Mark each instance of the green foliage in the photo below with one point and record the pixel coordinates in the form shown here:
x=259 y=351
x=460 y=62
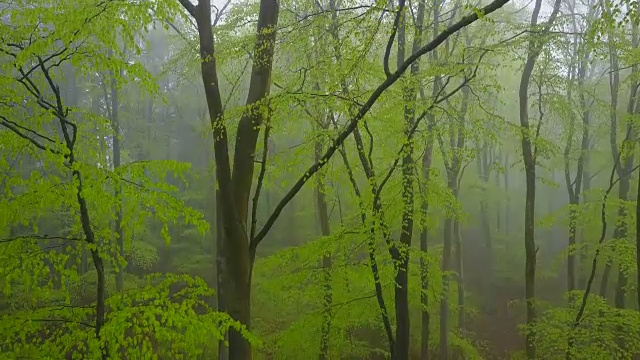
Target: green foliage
x=604 y=331
x=162 y=316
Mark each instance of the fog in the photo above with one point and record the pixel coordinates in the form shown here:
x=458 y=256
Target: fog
x=319 y=179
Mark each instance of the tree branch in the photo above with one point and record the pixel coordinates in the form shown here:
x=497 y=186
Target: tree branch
x=39 y=237
x=16 y=129
x=263 y=169
x=387 y=51
x=353 y=123
x=188 y=5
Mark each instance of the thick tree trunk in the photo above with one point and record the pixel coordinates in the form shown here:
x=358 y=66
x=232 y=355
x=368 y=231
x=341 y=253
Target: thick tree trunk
x=235 y=187
x=221 y=274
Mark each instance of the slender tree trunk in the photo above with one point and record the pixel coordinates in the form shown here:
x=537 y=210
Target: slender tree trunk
x=497 y=155
x=325 y=230
x=460 y=274
x=571 y=257
x=614 y=88
x=484 y=172
x=371 y=243
x=583 y=161
x=507 y=202
x=638 y=243
x=620 y=234
x=535 y=48
x=624 y=186
x=427 y=159
x=424 y=236
x=115 y=125
x=369 y=173
x=443 y=353
x=452 y=232
x=571 y=190
x=402 y=278
x=624 y=164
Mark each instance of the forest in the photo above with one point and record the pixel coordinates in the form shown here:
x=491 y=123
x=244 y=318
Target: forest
x=319 y=179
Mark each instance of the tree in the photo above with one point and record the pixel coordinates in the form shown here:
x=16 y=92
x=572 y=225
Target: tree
x=235 y=188
x=528 y=154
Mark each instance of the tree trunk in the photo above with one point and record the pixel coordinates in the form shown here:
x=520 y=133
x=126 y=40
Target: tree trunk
x=460 y=274
x=614 y=88
x=624 y=164
x=494 y=159
x=424 y=248
x=620 y=234
x=235 y=188
x=451 y=230
x=427 y=159
x=571 y=257
x=402 y=278
x=534 y=50
x=115 y=125
x=484 y=172
x=507 y=202
x=633 y=108
x=443 y=353
x=221 y=274
x=371 y=244
x=638 y=243
x=325 y=230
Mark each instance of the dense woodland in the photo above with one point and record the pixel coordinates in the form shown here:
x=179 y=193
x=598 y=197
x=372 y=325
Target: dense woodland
x=326 y=179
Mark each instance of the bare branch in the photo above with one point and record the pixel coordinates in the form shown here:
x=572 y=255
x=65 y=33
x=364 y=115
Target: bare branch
x=220 y=13
x=16 y=129
x=39 y=237
x=188 y=5
x=263 y=169
x=387 y=51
